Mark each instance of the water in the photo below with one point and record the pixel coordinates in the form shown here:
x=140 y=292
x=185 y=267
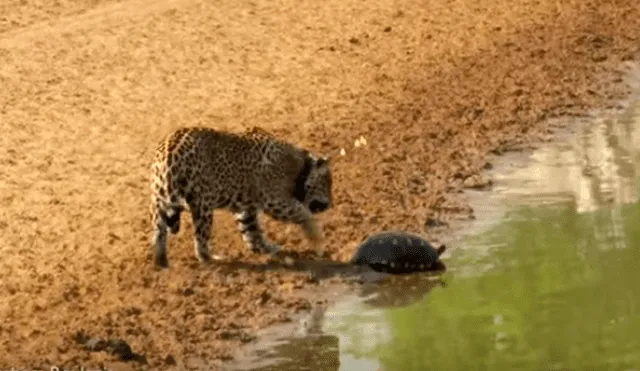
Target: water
x=548 y=278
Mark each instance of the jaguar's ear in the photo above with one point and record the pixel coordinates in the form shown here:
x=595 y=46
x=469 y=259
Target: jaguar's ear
x=323 y=161
x=441 y=249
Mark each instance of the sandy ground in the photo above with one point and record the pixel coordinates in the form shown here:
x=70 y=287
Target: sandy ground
x=88 y=87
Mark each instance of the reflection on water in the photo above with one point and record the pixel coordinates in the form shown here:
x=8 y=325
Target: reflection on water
x=314 y=352
x=596 y=167
x=398 y=292
x=551 y=284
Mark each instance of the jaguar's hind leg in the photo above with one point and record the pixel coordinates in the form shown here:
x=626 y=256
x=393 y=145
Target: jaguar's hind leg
x=172 y=218
x=203 y=224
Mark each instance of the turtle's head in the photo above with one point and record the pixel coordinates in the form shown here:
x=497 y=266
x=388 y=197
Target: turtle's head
x=438 y=265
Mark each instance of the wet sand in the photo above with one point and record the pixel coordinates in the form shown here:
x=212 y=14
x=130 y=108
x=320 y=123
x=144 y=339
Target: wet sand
x=88 y=87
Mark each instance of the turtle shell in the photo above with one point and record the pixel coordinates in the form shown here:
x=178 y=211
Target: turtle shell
x=398 y=252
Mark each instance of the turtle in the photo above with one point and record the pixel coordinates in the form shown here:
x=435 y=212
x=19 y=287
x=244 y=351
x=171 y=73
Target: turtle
x=398 y=252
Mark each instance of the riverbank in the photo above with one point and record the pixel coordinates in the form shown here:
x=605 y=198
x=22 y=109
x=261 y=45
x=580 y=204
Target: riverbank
x=432 y=87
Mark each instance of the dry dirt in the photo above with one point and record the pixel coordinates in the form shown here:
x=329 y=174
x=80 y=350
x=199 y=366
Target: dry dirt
x=88 y=86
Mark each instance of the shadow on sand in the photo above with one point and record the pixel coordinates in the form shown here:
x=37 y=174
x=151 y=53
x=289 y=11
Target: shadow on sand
x=318 y=268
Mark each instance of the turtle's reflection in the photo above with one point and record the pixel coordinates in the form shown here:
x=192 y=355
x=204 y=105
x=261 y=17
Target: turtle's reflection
x=399 y=291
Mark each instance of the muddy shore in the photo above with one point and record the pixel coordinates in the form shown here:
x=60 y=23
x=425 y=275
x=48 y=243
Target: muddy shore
x=88 y=87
